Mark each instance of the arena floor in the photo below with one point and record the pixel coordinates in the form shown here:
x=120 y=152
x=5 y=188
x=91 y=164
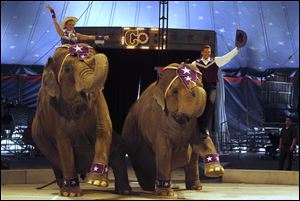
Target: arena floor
x=210 y=191
x=213 y=189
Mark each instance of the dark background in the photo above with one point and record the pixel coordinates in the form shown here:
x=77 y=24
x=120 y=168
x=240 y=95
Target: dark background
x=126 y=68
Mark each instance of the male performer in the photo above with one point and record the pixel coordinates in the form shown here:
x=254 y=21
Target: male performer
x=209 y=67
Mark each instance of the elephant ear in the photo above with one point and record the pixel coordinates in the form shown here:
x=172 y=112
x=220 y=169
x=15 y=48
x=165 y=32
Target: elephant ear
x=49 y=82
x=161 y=84
x=158 y=95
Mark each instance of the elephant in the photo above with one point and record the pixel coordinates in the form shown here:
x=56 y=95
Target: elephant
x=161 y=132
x=72 y=126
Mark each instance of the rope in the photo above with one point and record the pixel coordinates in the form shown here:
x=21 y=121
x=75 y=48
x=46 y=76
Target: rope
x=6 y=27
x=211 y=11
x=99 y=12
x=112 y=13
x=137 y=13
x=262 y=21
x=61 y=67
x=32 y=30
x=187 y=14
x=287 y=20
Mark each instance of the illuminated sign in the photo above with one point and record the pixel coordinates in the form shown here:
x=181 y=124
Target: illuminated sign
x=139 y=38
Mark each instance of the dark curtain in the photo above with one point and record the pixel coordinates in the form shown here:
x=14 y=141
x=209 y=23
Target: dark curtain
x=126 y=69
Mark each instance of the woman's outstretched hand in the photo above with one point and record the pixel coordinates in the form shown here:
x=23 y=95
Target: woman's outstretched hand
x=51 y=11
x=49 y=7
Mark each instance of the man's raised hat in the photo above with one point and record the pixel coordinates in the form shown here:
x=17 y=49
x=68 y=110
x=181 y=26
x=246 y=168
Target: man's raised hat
x=240 y=38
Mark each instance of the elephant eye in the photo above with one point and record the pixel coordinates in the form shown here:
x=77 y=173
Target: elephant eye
x=175 y=91
x=67 y=69
x=193 y=93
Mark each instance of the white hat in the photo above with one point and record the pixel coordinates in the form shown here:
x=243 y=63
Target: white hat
x=63 y=23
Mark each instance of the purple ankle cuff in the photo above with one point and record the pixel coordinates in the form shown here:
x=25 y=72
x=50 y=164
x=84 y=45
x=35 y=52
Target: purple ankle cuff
x=99 y=37
x=163 y=183
x=211 y=158
x=99 y=168
x=71 y=182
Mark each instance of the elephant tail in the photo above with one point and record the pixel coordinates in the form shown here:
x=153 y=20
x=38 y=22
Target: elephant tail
x=41 y=187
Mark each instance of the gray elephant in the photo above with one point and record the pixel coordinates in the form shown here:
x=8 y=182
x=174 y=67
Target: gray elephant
x=161 y=132
x=72 y=125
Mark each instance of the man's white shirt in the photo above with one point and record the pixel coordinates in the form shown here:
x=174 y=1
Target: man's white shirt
x=220 y=61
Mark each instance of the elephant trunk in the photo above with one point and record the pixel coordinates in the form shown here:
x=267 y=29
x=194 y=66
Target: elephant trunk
x=193 y=103
x=92 y=78
x=201 y=97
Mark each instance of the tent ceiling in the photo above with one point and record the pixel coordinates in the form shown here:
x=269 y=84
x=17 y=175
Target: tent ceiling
x=28 y=34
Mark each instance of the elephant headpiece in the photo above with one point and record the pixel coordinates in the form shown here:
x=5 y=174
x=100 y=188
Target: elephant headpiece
x=75 y=70
x=180 y=80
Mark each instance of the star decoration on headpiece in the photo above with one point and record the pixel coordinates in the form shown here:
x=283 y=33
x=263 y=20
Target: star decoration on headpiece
x=187 y=75
x=186 y=70
x=81 y=51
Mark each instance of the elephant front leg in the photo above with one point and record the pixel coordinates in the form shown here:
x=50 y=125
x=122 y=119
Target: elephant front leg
x=192 y=179
x=163 y=152
x=69 y=186
x=212 y=166
x=99 y=170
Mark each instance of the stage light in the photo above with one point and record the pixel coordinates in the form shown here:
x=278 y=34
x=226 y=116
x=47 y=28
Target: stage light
x=130 y=47
x=140 y=28
x=144 y=47
x=122 y=40
x=126 y=28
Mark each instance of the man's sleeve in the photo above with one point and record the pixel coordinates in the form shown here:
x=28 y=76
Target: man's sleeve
x=296 y=132
x=221 y=61
x=194 y=63
x=280 y=133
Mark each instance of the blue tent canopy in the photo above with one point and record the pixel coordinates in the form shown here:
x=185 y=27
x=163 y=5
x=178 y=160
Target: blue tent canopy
x=28 y=36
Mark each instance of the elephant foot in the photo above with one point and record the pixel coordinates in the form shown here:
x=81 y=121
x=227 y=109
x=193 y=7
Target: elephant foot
x=60 y=182
x=193 y=185
x=70 y=188
x=212 y=167
x=163 y=188
x=214 y=170
x=98 y=175
x=166 y=192
x=123 y=190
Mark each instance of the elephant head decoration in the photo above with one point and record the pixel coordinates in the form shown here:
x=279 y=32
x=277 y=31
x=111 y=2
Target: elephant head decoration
x=72 y=125
x=161 y=132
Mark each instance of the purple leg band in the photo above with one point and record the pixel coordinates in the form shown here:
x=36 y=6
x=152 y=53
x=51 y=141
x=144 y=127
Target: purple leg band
x=99 y=168
x=211 y=158
x=71 y=182
x=163 y=183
